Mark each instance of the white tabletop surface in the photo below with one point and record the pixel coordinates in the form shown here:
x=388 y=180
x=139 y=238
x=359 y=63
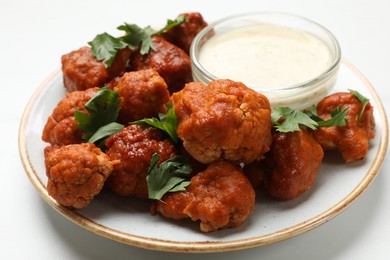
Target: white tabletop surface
x=34 y=35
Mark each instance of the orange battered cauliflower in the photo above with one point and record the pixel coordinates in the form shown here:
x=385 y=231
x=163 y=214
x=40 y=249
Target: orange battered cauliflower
x=133 y=148
x=143 y=94
x=61 y=126
x=290 y=167
x=223 y=120
x=76 y=173
x=220 y=197
x=82 y=70
x=171 y=62
x=351 y=140
x=183 y=34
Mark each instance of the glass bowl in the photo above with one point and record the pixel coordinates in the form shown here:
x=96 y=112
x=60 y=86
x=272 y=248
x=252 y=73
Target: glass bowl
x=228 y=49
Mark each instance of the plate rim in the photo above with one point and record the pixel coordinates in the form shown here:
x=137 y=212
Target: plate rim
x=206 y=246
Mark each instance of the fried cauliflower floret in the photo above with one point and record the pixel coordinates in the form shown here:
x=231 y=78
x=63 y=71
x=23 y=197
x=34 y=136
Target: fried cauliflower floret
x=219 y=197
x=81 y=70
x=223 y=120
x=171 y=62
x=183 y=34
x=76 y=173
x=61 y=126
x=351 y=140
x=133 y=148
x=143 y=94
x=291 y=166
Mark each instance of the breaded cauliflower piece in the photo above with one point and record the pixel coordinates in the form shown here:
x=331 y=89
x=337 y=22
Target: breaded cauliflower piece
x=219 y=197
x=183 y=34
x=290 y=167
x=143 y=94
x=133 y=148
x=171 y=62
x=223 y=120
x=351 y=140
x=76 y=173
x=61 y=126
x=82 y=71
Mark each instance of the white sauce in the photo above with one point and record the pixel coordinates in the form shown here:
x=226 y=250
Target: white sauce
x=265 y=56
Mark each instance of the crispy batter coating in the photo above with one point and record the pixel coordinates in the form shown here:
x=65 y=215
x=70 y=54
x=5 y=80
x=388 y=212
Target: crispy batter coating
x=76 y=173
x=134 y=147
x=171 y=62
x=143 y=94
x=82 y=71
x=220 y=197
x=290 y=168
x=183 y=34
x=61 y=127
x=351 y=140
x=224 y=120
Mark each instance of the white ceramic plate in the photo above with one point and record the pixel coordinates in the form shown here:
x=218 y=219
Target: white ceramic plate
x=128 y=221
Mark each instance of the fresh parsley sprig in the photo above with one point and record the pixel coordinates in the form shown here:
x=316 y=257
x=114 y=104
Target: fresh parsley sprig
x=338 y=117
x=170 y=176
x=166 y=122
x=100 y=122
x=105 y=46
x=286 y=119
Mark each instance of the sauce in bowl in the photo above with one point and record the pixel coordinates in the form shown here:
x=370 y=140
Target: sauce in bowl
x=291 y=60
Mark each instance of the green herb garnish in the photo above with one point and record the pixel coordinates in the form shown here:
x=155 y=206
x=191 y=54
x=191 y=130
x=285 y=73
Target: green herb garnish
x=286 y=119
x=100 y=122
x=137 y=37
x=362 y=99
x=166 y=122
x=170 y=176
x=106 y=131
x=338 y=117
x=292 y=120
x=105 y=47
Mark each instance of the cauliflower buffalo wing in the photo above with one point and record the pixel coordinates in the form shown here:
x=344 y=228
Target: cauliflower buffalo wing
x=82 y=70
x=224 y=120
x=183 y=34
x=171 y=62
x=143 y=94
x=76 y=173
x=220 y=197
x=133 y=148
x=61 y=126
x=351 y=140
x=290 y=168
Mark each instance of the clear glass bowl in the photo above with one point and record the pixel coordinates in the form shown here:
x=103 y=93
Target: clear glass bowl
x=298 y=95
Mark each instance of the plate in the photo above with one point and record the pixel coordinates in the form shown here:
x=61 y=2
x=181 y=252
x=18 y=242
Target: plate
x=128 y=221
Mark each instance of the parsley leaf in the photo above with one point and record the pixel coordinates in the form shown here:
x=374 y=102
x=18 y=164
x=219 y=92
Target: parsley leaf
x=291 y=119
x=362 y=99
x=166 y=122
x=106 y=131
x=337 y=117
x=136 y=37
x=171 y=23
x=103 y=111
x=286 y=119
x=105 y=47
x=169 y=176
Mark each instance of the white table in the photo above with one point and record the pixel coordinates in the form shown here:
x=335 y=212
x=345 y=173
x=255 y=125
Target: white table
x=34 y=35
